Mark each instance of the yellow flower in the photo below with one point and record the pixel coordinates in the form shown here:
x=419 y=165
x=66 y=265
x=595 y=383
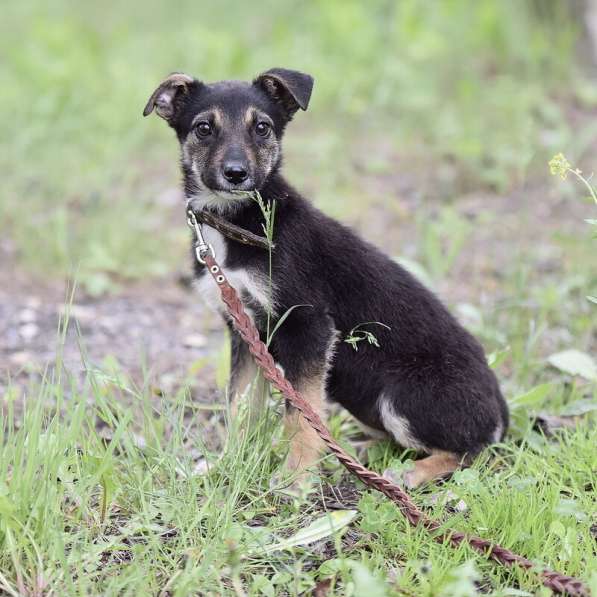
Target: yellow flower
x=559 y=165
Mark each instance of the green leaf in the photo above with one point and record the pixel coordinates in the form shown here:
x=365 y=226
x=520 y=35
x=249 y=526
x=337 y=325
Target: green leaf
x=461 y=581
x=319 y=529
x=282 y=577
x=377 y=516
x=497 y=357
x=262 y=586
x=109 y=486
x=283 y=319
x=579 y=407
x=331 y=567
x=574 y=362
x=365 y=583
x=469 y=478
x=533 y=397
x=593 y=299
x=357 y=334
x=570 y=507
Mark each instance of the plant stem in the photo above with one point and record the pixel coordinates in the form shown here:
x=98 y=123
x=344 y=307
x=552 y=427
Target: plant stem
x=586 y=183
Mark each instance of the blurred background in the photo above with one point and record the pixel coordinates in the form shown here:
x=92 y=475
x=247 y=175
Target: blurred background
x=430 y=129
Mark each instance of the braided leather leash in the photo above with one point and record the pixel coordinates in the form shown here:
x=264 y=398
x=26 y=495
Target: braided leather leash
x=248 y=332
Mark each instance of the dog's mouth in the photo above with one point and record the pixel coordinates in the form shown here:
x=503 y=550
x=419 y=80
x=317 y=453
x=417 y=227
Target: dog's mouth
x=232 y=194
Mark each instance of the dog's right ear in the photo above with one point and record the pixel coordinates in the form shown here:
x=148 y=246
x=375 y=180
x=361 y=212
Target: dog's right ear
x=169 y=96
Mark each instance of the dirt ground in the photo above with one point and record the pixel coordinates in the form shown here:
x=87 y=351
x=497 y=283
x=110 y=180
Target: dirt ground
x=159 y=325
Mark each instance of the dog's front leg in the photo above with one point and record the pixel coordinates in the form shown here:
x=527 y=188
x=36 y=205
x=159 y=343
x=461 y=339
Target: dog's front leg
x=305 y=446
x=245 y=380
x=304 y=348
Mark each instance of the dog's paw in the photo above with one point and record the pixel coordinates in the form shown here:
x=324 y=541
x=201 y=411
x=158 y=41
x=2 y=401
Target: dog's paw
x=407 y=479
x=413 y=478
x=430 y=469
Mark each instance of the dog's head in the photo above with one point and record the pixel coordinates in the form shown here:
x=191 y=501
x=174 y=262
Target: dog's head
x=230 y=132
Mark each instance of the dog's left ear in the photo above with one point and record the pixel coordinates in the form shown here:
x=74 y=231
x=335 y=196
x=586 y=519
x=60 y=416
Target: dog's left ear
x=168 y=96
x=290 y=88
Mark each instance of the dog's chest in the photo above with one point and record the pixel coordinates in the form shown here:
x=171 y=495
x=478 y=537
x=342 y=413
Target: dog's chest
x=248 y=282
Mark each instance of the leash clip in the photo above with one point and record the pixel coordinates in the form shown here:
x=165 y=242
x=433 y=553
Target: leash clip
x=202 y=248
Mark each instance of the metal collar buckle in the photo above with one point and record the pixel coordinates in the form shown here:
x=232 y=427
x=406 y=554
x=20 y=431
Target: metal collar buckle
x=202 y=248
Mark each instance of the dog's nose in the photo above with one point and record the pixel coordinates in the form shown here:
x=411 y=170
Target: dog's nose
x=235 y=172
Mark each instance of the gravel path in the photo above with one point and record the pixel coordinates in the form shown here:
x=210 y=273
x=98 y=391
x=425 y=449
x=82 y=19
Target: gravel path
x=157 y=330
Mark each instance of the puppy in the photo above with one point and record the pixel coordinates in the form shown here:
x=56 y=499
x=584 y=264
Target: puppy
x=426 y=383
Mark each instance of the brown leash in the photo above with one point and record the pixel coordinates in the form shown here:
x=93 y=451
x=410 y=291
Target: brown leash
x=557 y=582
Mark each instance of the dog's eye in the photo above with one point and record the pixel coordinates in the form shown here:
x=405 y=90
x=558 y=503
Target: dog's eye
x=203 y=129
x=262 y=129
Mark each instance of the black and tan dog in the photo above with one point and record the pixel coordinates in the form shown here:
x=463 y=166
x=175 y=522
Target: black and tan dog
x=427 y=385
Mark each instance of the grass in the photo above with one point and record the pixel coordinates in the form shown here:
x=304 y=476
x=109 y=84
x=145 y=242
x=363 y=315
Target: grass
x=88 y=507
x=106 y=488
